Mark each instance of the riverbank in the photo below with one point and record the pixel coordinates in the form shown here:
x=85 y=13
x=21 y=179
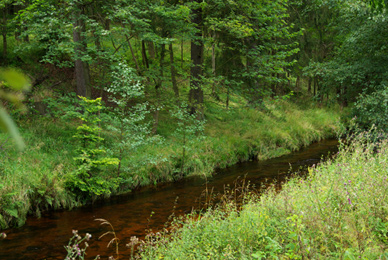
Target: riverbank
x=35 y=180
x=338 y=212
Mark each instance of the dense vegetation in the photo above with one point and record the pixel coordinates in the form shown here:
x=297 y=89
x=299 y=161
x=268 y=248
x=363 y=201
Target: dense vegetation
x=130 y=93
x=337 y=212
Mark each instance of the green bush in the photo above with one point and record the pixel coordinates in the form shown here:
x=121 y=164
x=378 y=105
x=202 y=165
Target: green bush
x=88 y=180
x=372 y=109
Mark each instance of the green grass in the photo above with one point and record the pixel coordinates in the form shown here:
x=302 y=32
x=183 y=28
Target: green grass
x=339 y=211
x=34 y=180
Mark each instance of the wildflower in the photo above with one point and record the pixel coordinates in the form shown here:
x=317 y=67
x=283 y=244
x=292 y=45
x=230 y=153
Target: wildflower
x=3 y=235
x=350 y=202
x=88 y=236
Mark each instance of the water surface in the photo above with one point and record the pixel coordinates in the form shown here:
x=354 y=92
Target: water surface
x=130 y=215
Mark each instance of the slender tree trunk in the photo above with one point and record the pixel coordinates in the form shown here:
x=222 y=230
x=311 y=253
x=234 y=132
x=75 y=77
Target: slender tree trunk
x=338 y=92
x=159 y=83
x=4 y=33
x=151 y=50
x=81 y=68
x=214 y=68
x=182 y=45
x=309 y=85
x=133 y=54
x=227 y=97
x=315 y=86
x=144 y=54
x=297 y=83
x=183 y=153
x=26 y=37
x=156 y=113
x=344 y=96
x=173 y=72
x=121 y=150
x=161 y=63
x=319 y=96
x=196 y=72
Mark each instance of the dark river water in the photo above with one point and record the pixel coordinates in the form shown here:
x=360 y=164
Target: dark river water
x=130 y=215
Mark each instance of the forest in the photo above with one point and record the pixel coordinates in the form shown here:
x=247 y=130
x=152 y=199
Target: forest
x=99 y=98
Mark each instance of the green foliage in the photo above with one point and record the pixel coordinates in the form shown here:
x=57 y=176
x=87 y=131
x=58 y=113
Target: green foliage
x=338 y=211
x=127 y=114
x=87 y=181
x=12 y=213
x=254 y=43
x=372 y=109
x=189 y=130
x=63 y=107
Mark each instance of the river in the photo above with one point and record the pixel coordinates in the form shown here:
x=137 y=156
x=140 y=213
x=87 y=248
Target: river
x=130 y=215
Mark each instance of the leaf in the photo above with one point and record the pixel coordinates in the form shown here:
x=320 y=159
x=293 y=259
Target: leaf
x=7 y=125
x=15 y=79
x=12 y=212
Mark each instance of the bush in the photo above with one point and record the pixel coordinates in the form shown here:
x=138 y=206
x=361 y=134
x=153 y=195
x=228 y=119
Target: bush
x=372 y=109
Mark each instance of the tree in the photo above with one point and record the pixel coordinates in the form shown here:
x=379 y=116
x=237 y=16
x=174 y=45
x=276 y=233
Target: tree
x=127 y=115
x=196 y=54
x=81 y=66
x=255 y=43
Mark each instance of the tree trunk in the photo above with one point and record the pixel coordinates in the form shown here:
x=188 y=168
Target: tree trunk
x=182 y=45
x=196 y=72
x=4 y=33
x=297 y=83
x=159 y=83
x=151 y=50
x=81 y=68
x=315 y=86
x=344 y=97
x=227 y=97
x=214 y=94
x=156 y=113
x=133 y=54
x=173 y=72
x=144 y=54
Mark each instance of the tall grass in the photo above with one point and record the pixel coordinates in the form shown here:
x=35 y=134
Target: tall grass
x=34 y=180
x=339 y=211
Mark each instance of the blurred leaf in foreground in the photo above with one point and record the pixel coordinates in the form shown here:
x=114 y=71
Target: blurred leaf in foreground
x=16 y=81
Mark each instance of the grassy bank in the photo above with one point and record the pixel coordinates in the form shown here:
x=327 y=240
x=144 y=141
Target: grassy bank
x=338 y=212
x=35 y=179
